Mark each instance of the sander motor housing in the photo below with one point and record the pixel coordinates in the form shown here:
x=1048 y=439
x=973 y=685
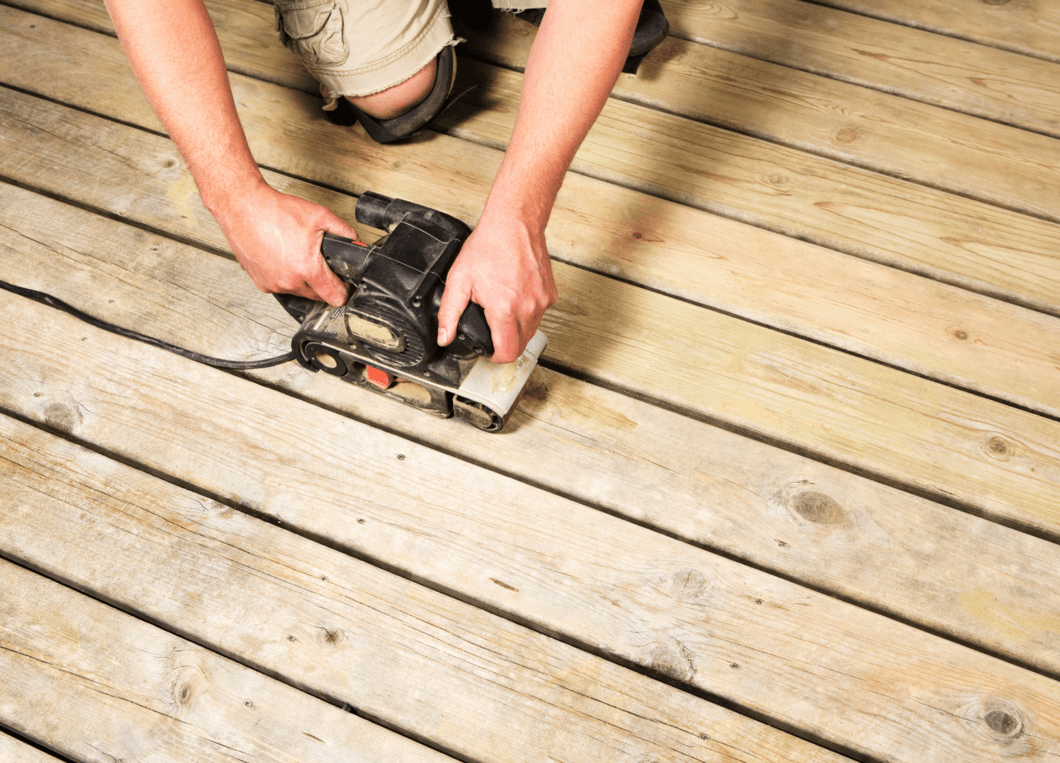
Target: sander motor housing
x=385 y=337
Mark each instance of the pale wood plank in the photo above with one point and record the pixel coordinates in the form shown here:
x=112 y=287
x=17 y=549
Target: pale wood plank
x=1031 y=27
x=14 y=751
x=927 y=67
x=935 y=330
x=930 y=232
x=844 y=409
x=782 y=512
x=245 y=26
x=96 y=684
x=917 y=64
x=713 y=168
x=431 y=665
x=931 y=145
x=698 y=618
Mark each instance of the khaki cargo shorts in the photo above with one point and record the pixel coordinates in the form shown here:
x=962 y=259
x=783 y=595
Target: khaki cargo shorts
x=360 y=47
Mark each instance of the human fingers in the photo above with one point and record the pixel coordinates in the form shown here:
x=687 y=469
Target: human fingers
x=455 y=299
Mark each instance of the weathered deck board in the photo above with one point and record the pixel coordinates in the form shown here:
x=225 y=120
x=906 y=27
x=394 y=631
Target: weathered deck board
x=762 y=585
x=343 y=629
x=1031 y=27
x=829 y=521
x=700 y=619
x=969 y=78
x=974 y=79
x=949 y=238
x=885 y=133
x=88 y=679
x=14 y=751
x=1002 y=461
x=936 y=330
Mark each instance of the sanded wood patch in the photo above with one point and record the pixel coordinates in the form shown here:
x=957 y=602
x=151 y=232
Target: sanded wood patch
x=1032 y=28
x=891 y=57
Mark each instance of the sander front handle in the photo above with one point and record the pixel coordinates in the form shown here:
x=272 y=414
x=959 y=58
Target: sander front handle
x=384 y=212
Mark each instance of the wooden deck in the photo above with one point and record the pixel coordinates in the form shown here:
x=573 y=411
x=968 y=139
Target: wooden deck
x=786 y=486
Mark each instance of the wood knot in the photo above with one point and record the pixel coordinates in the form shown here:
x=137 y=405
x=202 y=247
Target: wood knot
x=998 y=448
x=848 y=135
x=331 y=638
x=995 y=2
x=535 y=395
x=998 y=718
x=63 y=417
x=182 y=695
x=672 y=660
x=818 y=508
x=1002 y=723
x=960 y=334
x=688 y=584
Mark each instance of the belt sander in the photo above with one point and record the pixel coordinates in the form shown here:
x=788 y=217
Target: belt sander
x=385 y=337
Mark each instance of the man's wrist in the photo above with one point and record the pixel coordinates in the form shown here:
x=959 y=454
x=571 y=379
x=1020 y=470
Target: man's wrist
x=226 y=195
x=521 y=196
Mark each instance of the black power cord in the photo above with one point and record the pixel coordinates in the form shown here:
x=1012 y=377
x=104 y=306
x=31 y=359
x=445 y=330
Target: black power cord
x=238 y=365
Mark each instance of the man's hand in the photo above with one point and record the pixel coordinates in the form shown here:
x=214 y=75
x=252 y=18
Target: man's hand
x=504 y=267
x=277 y=238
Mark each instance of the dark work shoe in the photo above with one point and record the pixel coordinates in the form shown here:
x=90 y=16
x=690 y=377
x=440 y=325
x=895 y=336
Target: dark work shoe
x=652 y=28
x=340 y=111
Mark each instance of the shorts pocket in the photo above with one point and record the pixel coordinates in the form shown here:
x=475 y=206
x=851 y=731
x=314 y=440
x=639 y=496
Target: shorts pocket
x=313 y=30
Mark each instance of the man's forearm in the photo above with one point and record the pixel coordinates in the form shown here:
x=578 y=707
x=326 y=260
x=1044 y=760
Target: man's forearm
x=173 y=49
x=575 y=60
x=174 y=52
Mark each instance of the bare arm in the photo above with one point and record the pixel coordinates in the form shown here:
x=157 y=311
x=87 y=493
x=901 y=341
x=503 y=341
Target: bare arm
x=504 y=266
x=173 y=49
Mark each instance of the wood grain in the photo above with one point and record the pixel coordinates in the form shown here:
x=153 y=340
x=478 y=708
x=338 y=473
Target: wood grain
x=94 y=683
x=677 y=611
x=1031 y=27
x=692 y=616
x=938 y=146
x=842 y=408
x=906 y=321
x=439 y=669
x=929 y=232
x=956 y=74
x=15 y=751
x=805 y=521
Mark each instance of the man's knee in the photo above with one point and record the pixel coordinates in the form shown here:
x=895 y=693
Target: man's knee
x=401 y=98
